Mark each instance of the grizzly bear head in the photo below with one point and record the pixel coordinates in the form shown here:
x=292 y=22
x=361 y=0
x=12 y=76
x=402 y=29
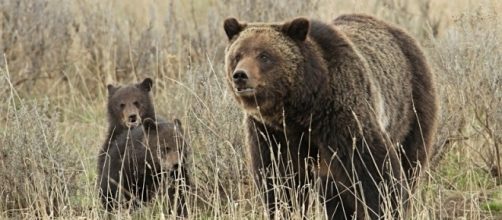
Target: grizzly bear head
x=265 y=65
x=129 y=106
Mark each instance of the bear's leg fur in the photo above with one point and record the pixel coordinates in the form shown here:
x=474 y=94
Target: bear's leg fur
x=108 y=180
x=177 y=193
x=417 y=143
x=414 y=152
x=277 y=161
x=354 y=186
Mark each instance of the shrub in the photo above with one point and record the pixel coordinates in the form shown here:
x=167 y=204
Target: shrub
x=37 y=170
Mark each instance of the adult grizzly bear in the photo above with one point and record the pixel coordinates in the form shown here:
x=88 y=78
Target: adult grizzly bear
x=141 y=153
x=352 y=103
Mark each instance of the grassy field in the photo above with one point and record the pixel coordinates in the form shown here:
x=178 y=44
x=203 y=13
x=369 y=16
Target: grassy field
x=57 y=57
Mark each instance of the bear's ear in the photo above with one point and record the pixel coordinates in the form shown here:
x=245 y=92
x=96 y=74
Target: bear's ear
x=146 y=85
x=111 y=89
x=297 y=28
x=232 y=27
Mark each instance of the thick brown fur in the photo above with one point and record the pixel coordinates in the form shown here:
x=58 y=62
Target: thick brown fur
x=352 y=103
x=142 y=158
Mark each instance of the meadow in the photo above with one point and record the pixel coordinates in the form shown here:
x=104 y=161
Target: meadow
x=58 y=56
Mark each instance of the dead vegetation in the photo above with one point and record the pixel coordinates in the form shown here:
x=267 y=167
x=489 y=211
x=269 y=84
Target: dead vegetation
x=57 y=57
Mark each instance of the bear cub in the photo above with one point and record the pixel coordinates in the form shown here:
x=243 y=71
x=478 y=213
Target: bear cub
x=143 y=154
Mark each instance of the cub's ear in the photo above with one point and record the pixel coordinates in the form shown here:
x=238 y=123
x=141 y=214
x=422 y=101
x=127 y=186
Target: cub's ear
x=111 y=89
x=232 y=27
x=297 y=28
x=178 y=128
x=177 y=124
x=146 y=85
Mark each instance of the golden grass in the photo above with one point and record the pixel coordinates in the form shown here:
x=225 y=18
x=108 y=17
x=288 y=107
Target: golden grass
x=59 y=55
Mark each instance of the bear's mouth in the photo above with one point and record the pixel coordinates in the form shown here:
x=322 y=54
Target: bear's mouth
x=245 y=91
x=132 y=124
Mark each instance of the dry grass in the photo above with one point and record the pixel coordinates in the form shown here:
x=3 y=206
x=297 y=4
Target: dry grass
x=58 y=56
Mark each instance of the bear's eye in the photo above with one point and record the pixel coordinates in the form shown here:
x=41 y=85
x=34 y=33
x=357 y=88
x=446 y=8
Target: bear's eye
x=122 y=105
x=136 y=103
x=237 y=57
x=264 y=57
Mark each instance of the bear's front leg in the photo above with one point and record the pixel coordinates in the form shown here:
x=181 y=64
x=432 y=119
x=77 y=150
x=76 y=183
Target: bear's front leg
x=108 y=180
x=279 y=165
x=260 y=142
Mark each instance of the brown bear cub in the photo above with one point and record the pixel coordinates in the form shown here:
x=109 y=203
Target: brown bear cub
x=351 y=103
x=143 y=154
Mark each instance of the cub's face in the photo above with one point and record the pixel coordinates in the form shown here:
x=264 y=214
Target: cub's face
x=172 y=146
x=160 y=149
x=168 y=146
x=128 y=106
x=262 y=62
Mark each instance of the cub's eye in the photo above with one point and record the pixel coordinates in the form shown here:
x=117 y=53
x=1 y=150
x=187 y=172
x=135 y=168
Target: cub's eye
x=136 y=103
x=122 y=105
x=165 y=150
x=264 y=58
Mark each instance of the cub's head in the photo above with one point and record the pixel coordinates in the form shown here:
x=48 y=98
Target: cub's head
x=129 y=106
x=169 y=148
x=264 y=63
x=172 y=145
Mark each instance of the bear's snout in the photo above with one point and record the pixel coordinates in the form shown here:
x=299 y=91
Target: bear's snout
x=132 y=120
x=242 y=84
x=240 y=77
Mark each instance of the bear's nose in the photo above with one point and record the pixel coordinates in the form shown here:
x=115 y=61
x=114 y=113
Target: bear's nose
x=133 y=118
x=240 y=76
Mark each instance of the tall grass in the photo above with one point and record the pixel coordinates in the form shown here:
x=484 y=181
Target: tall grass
x=59 y=55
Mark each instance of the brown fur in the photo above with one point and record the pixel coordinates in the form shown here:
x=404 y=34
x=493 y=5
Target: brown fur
x=340 y=96
x=137 y=159
x=129 y=101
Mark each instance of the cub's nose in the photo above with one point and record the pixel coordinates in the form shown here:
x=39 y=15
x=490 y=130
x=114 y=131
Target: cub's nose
x=175 y=172
x=240 y=77
x=133 y=118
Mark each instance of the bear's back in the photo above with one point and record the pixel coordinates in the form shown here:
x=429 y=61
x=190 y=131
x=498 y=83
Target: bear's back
x=388 y=68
